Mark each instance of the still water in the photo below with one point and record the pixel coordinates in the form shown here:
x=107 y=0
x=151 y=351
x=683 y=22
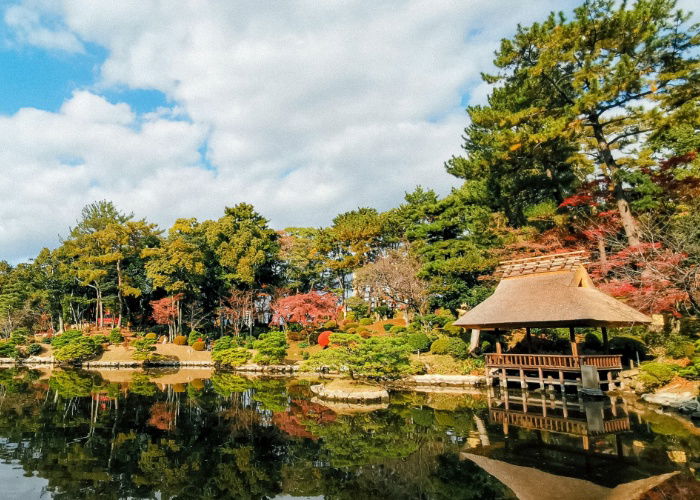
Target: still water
x=198 y=434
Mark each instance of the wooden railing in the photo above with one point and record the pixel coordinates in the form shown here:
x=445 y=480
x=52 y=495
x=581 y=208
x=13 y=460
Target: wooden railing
x=555 y=424
x=553 y=361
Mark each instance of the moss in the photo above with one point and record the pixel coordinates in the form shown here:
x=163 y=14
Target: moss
x=654 y=374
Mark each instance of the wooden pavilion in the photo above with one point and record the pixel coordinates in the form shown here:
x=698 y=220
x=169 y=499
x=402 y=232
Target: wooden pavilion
x=551 y=291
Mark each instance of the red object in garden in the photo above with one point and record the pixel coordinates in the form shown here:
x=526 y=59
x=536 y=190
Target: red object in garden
x=324 y=338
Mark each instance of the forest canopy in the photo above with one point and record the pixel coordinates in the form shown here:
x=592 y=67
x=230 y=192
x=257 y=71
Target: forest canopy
x=589 y=140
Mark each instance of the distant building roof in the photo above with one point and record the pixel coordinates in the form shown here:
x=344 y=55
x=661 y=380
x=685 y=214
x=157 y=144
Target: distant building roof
x=550 y=291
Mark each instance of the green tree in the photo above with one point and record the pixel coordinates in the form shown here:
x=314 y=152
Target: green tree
x=246 y=248
x=604 y=81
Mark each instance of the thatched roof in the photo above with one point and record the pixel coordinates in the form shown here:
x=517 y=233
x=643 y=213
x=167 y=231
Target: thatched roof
x=531 y=484
x=550 y=291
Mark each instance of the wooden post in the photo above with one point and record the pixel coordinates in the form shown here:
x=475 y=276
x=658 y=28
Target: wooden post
x=523 y=384
x=539 y=373
x=606 y=344
x=572 y=339
x=498 y=347
x=561 y=382
x=474 y=341
x=529 y=340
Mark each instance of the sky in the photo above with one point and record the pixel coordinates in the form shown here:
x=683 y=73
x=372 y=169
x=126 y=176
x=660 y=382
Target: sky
x=179 y=108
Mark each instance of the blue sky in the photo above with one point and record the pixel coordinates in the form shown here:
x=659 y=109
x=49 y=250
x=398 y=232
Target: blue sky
x=180 y=108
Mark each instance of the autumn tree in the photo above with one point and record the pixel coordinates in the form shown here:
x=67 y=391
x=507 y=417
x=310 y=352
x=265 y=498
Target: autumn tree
x=167 y=311
x=307 y=309
x=238 y=309
x=394 y=278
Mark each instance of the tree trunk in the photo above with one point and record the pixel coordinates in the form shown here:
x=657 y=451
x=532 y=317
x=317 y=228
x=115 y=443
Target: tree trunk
x=119 y=293
x=629 y=223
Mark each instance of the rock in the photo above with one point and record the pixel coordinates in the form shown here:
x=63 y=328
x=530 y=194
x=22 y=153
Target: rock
x=671 y=399
x=690 y=406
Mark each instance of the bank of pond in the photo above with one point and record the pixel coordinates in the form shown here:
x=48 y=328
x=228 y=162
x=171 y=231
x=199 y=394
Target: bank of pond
x=197 y=433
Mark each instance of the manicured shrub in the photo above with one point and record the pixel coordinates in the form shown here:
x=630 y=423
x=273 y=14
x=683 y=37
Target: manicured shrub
x=65 y=338
x=349 y=325
x=351 y=331
x=450 y=329
x=34 y=349
x=271 y=347
x=8 y=350
x=330 y=325
x=100 y=339
x=115 y=336
x=366 y=321
x=440 y=346
x=303 y=345
x=344 y=339
x=397 y=329
x=232 y=356
x=180 y=340
x=350 y=316
x=194 y=336
x=19 y=336
x=376 y=357
x=78 y=349
x=144 y=347
x=305 y=355
x=225 y=342
x=387 y=327
x=592 y=342
x=629 y=347
x=457 y=348
x=198 y=345
x=654 y=374
x=364 y=333
x=419 y=342
x=151 y=336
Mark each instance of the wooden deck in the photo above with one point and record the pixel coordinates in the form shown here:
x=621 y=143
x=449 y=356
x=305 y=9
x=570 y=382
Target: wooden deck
x=554 y=361
x=555 y=424
x=552 y=370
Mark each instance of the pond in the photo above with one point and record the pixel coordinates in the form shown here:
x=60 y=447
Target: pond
x=199 y=434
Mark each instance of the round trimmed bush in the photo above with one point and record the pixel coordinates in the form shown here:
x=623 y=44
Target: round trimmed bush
x=347 y=326
x=387 y=327
x=198 y=346
x=34 y=349
x=419 y=342
x=457 y=348
x=115 y=336
x=397 y=329
x=151 y=336
x=180 y=340
x=440 y=346
x=330 y=325
x=366 y=321
x=364 y=333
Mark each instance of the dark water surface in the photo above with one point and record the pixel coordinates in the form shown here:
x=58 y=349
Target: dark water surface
x=196 y=434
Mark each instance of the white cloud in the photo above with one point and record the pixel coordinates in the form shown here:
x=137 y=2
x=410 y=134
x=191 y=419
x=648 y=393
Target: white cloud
x=30 y=27
x=307 y=108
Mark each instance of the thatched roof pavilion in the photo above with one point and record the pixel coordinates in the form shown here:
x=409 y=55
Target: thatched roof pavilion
x=550 y=291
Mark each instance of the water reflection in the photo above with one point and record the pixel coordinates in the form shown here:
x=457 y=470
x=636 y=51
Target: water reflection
x=197 y=434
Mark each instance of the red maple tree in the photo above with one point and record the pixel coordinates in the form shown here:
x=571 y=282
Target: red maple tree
x=307 y=309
